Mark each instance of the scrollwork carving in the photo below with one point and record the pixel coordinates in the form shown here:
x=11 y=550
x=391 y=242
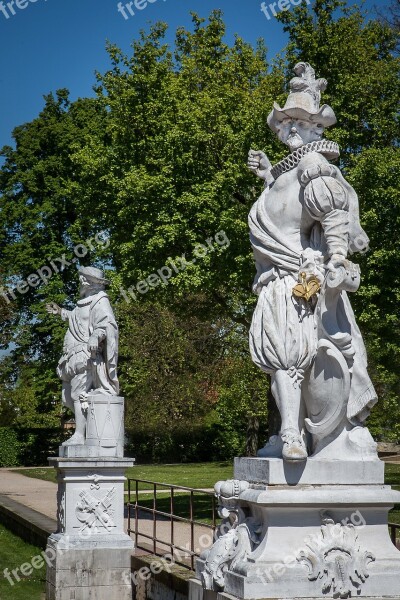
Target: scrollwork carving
x=237 y=536
x=337 y=558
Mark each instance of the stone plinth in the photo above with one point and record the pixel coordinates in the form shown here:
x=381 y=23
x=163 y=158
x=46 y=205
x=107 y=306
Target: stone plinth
x=90 y=553
x=314 y=471
x=311 y=539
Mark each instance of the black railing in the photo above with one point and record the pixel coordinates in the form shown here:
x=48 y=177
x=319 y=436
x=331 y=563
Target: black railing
x=394 y=530
x=174 y=495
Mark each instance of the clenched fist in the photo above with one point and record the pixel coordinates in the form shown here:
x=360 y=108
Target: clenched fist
x=258 y=163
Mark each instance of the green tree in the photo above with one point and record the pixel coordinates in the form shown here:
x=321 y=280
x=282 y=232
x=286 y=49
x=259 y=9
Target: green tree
x=158 y=161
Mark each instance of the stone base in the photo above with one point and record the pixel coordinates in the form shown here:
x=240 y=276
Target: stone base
x=90 y=556
x=306 y=540
x=314 y=471
x=98 y=569
x=86 y=451
x=196 y=592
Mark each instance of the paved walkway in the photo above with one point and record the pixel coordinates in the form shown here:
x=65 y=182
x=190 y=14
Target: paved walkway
x=34 y=493
x=41 y=496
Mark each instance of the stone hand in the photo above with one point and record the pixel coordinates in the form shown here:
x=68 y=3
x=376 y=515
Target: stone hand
x=337 y=261
x=93 y=345
x=258 y=163
x=53 y=308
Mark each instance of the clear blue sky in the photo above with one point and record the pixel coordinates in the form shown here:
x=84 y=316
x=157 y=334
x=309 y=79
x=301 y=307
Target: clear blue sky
x=51 y=44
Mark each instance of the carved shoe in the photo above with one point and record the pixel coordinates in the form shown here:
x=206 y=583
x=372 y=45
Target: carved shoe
x=294 y=448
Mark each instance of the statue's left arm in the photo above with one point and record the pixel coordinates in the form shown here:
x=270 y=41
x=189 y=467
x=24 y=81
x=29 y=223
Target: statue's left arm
x=327 y=201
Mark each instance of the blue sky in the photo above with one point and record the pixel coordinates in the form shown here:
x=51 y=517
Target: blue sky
x=51 y=44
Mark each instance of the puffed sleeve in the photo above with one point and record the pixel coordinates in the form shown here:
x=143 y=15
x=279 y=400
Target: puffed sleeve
x=326 y=200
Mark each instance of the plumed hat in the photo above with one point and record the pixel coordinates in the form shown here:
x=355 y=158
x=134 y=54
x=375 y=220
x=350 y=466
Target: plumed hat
x=93 y=274
x=304 y=100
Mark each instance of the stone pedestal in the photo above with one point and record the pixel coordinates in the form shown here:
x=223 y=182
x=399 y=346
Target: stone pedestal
x=90 y=553
x=317 y=529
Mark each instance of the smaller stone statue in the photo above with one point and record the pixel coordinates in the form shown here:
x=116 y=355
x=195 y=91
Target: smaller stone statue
x=88 y=366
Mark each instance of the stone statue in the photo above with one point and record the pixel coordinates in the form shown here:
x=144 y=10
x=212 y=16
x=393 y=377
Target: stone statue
x=90 y=353
x=308 y=517
x=303 y=228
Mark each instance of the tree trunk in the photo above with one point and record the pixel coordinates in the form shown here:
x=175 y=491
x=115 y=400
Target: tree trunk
x=253 y=427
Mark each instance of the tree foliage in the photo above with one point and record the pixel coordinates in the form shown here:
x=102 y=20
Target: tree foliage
x=157 y=160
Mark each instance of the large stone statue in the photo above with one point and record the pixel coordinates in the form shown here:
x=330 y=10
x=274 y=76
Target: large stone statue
x=308 y=517
x=303 y=228
x=90 y=352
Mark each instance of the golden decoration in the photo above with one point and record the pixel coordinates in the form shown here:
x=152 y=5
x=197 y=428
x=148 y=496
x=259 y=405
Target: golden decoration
x=306 y=289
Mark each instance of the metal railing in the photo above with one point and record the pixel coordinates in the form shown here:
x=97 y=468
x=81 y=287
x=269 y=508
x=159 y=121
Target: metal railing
x=135 y=509
x=394 y=529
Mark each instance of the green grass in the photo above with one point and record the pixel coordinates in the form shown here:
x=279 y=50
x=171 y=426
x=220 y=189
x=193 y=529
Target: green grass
x=197 y=475
x=393 y=478
x=13 y=553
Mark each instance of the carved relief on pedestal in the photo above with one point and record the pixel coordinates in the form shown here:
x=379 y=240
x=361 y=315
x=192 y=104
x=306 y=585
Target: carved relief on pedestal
x=95 y=479
x=237 y=536
x=61 y=499
x=93 y=511
x=336 y=558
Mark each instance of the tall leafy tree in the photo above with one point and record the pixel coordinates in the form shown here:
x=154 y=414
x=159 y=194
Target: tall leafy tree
x=158 y=160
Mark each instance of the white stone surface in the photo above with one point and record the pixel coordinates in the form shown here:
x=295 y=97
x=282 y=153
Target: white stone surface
x=90 y=553
x=88 y=366
x=314 y=471
x=283 y=533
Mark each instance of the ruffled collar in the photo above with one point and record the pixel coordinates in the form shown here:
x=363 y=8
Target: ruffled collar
x=328 y=148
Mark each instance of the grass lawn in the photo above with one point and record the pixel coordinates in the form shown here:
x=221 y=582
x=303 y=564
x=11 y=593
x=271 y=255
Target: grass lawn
x=198 y=475
x=13 y=553
x=393 y=478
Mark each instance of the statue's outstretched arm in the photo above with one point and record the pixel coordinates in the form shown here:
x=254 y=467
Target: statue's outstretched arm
x=53 y=309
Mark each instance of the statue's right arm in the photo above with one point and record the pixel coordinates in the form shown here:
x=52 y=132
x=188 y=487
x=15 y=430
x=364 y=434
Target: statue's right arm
x=53 y=309
x=260 y=165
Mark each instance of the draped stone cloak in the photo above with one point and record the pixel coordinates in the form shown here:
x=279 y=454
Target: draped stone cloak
x=92 y=316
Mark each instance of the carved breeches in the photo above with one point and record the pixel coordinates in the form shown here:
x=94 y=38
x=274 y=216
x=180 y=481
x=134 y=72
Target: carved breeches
x=283 y=333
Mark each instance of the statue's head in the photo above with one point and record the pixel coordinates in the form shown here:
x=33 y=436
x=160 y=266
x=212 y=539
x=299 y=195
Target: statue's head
x=91 y=281
x=302 y=120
